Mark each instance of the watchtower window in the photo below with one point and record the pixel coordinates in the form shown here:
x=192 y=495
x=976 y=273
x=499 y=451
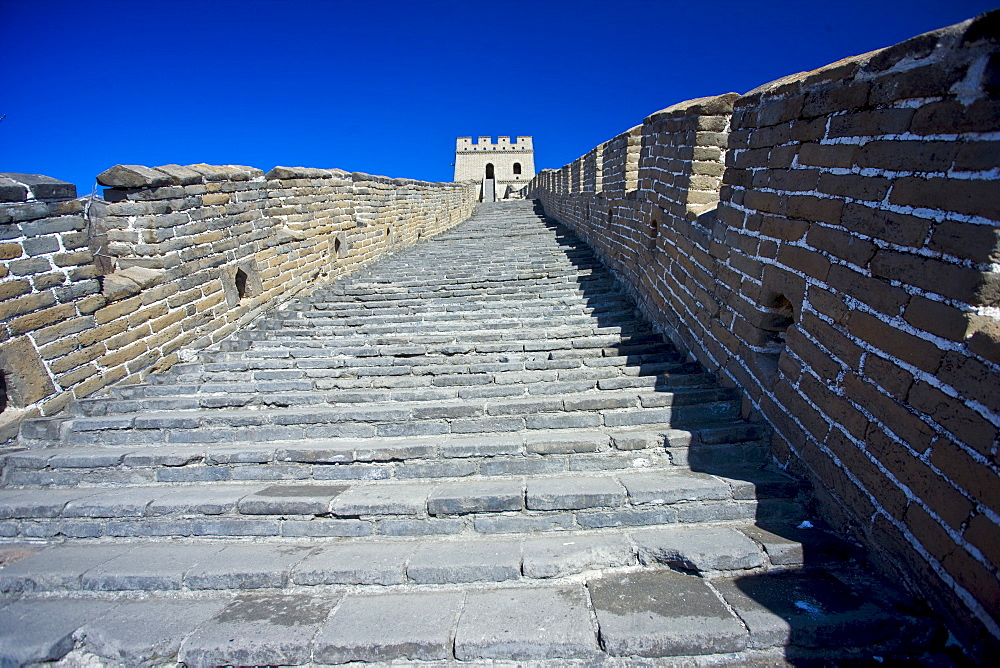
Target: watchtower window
x=517 y=168
x=3 y=392
x=489 y=170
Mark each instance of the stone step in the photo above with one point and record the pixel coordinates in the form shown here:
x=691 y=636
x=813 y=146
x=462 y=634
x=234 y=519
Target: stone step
x=468 y=506
x=712 y=551
x=638 y=616
x=393 y=458
x=609 y=386
x=189 y=376
x=226 y=424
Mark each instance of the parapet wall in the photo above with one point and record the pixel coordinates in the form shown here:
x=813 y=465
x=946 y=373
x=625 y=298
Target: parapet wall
x=829 y=244
x=94 y=292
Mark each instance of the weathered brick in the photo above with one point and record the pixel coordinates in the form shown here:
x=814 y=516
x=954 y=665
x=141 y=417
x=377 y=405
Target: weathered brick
x=927 y=486
x=951 y=116
x=877 y=293
x=834 y=97
x=887 y=225
x=944 y=278
x=982 y=533
x=927 y=81
x=908 y=156
x=937 y=318
x=893 y=415
x=896 y=343
x=854 y=186
x=840 y=244
x=980 y=243
x=966 y=424
x=973 y=379
x=804 y=260
x=888 y=375
x=39 y=319
x=970 y=197
x=26 y=304
x=813 y=208
x=870 y=123
x=827 y=155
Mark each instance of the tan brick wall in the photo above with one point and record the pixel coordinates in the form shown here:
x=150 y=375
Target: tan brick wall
x=175 y=238
x=830 y=244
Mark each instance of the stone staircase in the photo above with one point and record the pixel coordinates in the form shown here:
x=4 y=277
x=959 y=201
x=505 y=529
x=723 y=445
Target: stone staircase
x=474 y=451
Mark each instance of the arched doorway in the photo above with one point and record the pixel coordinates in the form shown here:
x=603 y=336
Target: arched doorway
x=489 y=170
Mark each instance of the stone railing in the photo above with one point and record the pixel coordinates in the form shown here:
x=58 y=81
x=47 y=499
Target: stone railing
x=829 y=244
x=98 y=291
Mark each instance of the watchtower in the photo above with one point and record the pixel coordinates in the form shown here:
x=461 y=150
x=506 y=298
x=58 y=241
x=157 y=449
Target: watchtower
x=503 y=168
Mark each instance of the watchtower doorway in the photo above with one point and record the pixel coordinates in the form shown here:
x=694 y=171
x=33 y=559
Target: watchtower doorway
x=489 y=184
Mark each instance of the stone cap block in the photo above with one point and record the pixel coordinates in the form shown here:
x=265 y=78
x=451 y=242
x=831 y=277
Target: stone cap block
x=12 y=191
x=182 y=176
x=714 y=105
x=280 y=172
x=133 y=176
x=140 y=176
x=17 y=187
x=226 y=172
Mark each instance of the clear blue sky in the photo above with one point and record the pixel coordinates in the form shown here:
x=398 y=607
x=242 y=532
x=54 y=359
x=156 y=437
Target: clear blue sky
x=385 y=86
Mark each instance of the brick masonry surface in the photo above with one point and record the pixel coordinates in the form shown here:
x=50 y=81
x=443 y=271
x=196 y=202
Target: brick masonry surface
x=828 y=243
x=97 y=291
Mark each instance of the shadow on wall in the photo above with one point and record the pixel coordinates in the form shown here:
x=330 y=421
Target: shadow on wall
x=846 y=285
x=820 y=588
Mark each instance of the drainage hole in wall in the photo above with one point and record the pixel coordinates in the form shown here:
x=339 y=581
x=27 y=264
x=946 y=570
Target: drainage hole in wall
x=782 y=317
x=241 y=283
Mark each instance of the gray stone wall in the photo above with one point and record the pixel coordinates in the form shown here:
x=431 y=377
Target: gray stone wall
x=97 y=291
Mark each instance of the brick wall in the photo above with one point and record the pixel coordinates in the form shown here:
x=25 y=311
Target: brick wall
x=830 y=243
x=96 y=291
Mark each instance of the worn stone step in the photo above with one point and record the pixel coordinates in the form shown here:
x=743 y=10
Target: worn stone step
x=471 y=505
x=392 y=458
x=636 y=616
x=373 y=420
x=712 y=551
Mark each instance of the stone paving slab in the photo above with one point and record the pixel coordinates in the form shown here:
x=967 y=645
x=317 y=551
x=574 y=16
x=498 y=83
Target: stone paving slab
x=466 y=561
x=661 y=487
x=574 y=493
x=150 y=566
x=382 y=500
x=663 y=613
x=698 y=548
x=259 y=630
x=42 y=630
x=807 y=610
x=247 y=566
x=458 y=498
x=526 y=624
x=202 y=500
x=386 y=627
x=56 y=568
x=144 y=632
x=381 y=563
x=290 y=499
x=563 y=555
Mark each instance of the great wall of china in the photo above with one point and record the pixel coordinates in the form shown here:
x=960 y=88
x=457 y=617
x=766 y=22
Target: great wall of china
x=827 y=245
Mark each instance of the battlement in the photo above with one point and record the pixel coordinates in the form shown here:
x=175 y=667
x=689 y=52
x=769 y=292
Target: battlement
x=503 y=144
